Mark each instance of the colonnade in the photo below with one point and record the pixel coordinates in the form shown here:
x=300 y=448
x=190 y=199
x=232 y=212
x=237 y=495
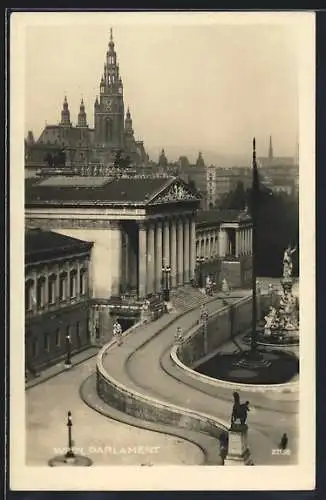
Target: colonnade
x=212 y=243
x=243 y=241
x=165 y=242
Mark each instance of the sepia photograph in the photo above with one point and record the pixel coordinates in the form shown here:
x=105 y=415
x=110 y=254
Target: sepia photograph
x=162 y=250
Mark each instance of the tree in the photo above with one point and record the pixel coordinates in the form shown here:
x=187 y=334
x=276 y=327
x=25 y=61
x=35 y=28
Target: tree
x=236 y=199
x=277 y=226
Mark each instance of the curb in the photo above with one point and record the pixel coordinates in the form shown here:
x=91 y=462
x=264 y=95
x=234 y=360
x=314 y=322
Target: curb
x=215 y=382
x=49 y=377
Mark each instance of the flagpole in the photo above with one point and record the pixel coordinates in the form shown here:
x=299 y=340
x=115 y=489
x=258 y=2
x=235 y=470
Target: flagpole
x=255 y=187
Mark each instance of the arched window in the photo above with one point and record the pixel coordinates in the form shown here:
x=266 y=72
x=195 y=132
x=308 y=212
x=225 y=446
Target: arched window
x=40 y=292
x=63 y=286
x=52 y=288
x=82 y=281
x=73 y=283
x=29 y=295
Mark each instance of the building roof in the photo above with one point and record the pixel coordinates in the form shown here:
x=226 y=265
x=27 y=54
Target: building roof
x=78 y=190
x=209 y=217
x=47 y=245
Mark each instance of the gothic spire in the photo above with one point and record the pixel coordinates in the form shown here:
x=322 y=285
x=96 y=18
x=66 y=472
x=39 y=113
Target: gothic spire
x=65 y=114
x=82 y=118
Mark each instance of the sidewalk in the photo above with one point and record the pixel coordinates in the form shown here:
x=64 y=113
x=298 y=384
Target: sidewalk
x=58 y=368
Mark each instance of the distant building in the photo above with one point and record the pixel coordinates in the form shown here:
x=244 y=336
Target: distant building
x=57 y=296
x=113 y=134
x=221 y=181
x=224 y=247
x=271 y=160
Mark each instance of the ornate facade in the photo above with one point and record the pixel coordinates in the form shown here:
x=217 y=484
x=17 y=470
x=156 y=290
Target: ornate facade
x=57 y=295
x=137 y=226
x=112 y=135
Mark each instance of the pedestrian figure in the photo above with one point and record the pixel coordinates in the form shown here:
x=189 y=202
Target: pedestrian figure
x=225 y=286
x=178 y=335
x=117 y=332
x=284 y=441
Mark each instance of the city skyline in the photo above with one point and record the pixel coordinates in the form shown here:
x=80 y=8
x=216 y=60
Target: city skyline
x=206 y=88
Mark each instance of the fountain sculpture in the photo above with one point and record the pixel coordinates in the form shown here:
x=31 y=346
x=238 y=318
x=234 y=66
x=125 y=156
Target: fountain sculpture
x=284 y=322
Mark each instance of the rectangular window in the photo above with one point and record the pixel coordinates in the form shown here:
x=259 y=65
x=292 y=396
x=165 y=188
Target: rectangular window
x=34 y=348
x=57 y=337
x=46 y=342
x=78 y=334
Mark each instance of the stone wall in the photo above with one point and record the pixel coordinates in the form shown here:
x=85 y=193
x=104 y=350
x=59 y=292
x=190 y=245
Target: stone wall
x=222 y=325
x=147 y=408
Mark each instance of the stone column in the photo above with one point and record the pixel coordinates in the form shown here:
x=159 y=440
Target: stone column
x=142 y=258
x=158 y=256
x=236 y=242
x=116 y=238
x=186 y=251
x=209 y=246
x=192 y=244
x=180 y=251
x=173 y=253
x=150 y=258
x=166 y=242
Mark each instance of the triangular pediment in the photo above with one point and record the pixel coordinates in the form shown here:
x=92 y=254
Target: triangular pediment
x=177 y=190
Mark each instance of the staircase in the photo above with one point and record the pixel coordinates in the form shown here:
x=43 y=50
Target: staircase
x=187 y=297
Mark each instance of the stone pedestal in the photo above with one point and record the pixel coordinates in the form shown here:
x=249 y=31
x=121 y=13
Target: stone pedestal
x=238 y=451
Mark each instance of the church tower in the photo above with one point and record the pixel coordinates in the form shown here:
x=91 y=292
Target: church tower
x=109 y=110
x=82 y=118
x=65 y=114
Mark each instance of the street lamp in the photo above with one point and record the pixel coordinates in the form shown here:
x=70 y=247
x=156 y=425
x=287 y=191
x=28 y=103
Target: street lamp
x=166 y=272
x=204 y=320
x=199 y=262
x=70 y=454
x=68 y=352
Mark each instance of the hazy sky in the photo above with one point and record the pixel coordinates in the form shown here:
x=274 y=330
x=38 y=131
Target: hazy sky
x=189 y=87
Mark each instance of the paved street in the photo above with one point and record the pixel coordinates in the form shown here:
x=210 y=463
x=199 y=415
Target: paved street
x=105 y=441
x=265 y=425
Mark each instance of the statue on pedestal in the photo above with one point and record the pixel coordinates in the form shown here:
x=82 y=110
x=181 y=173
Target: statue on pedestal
x=287 y=262
x=239 y=410
x=271 y=321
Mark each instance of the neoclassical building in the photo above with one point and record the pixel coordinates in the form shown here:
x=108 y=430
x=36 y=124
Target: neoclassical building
x=57 y=296
x=80 y=144
x=136 y=224
x=224 y=247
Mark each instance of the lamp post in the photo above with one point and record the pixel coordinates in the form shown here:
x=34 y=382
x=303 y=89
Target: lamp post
x=70 y=454
x=68 y=352
x=199 y=262
x=166 y=272
x=254 y=202
x=204 y=320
